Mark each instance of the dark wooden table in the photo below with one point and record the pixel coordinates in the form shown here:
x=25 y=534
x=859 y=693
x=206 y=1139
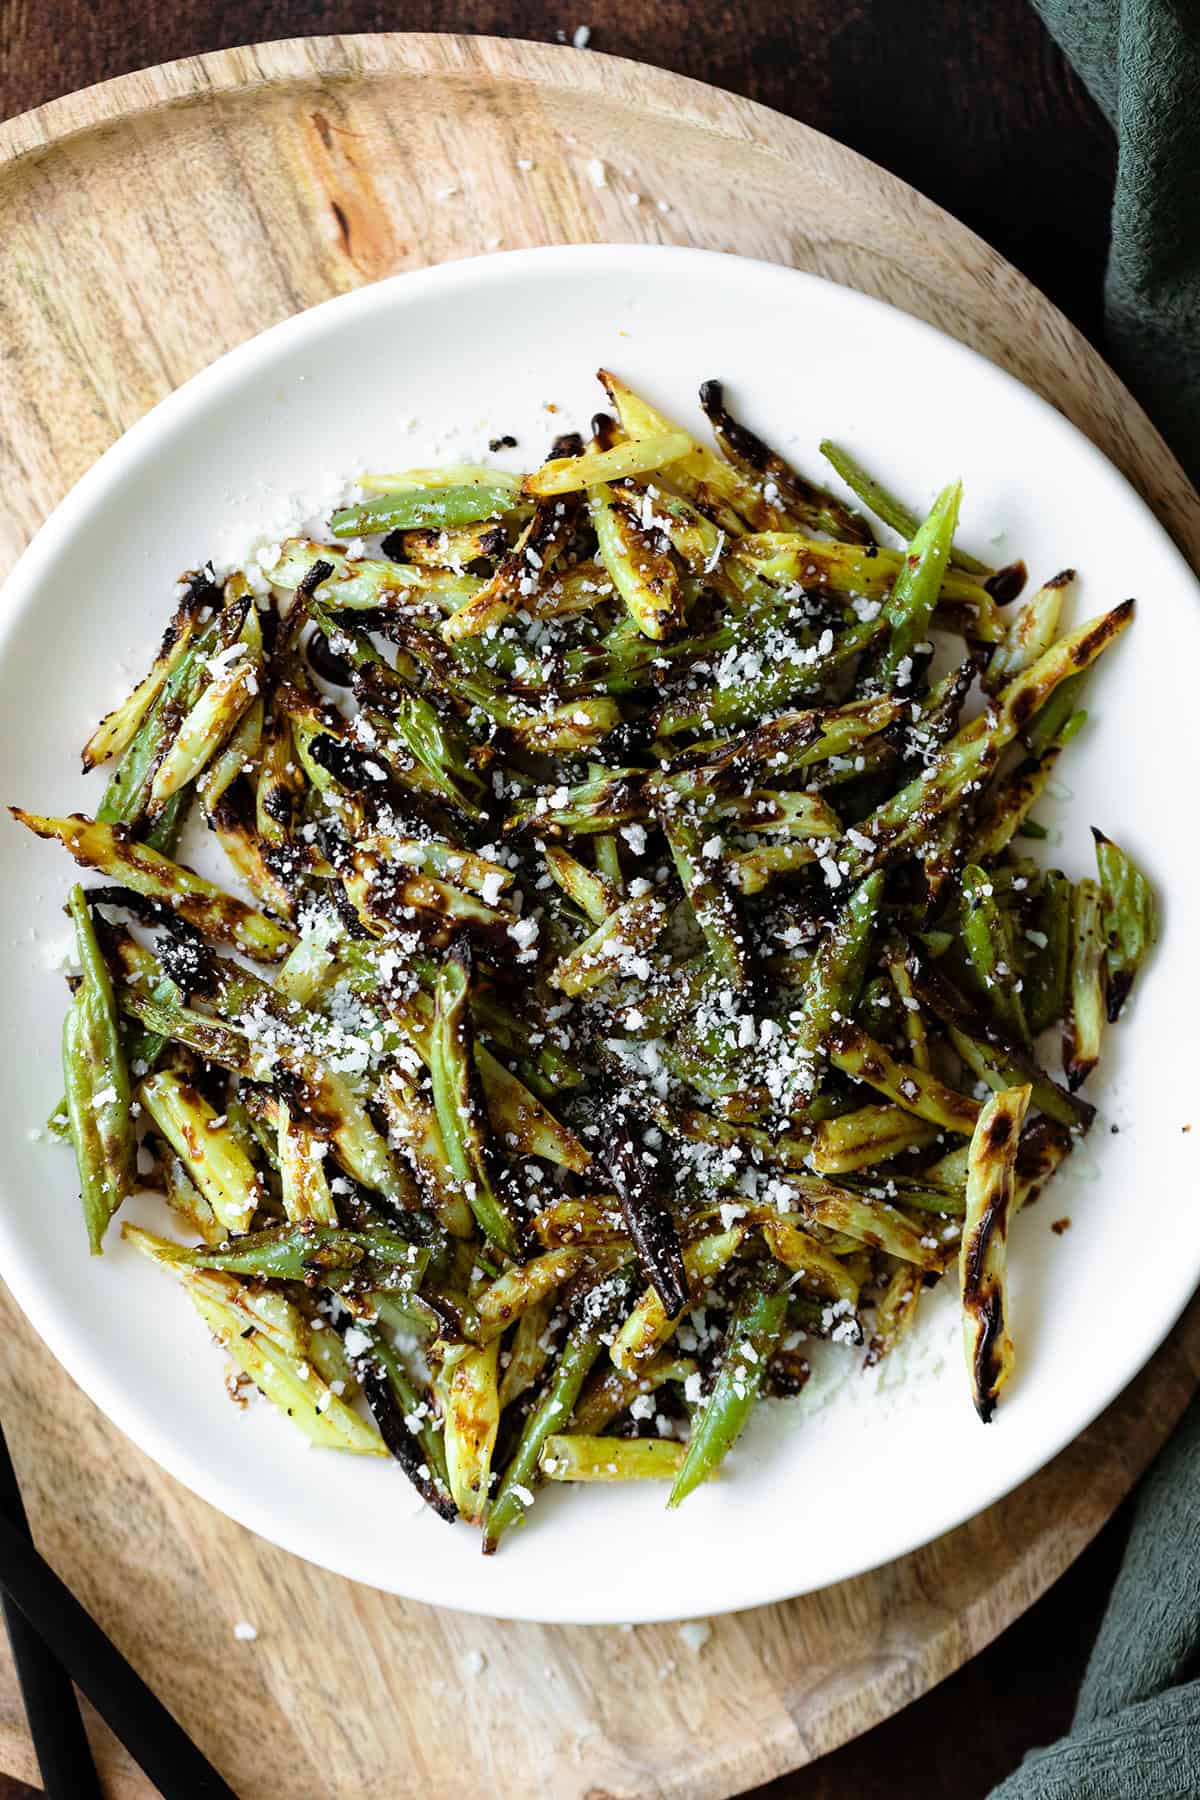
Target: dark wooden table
x=974 y=106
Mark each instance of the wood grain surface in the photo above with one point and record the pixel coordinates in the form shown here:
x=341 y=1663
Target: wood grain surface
x=149 y=225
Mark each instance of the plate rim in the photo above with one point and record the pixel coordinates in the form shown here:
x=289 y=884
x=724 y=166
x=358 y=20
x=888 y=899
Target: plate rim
x=225 y=372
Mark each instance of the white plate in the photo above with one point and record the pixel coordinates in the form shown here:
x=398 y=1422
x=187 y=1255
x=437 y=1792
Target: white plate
x=430 y=365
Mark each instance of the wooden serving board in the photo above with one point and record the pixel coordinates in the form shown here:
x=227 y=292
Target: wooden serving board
x=150 y=224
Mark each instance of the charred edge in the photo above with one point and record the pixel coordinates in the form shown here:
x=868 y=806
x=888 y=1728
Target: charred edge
x=787 y=1373
x=652 y=546
x=1043 y=1144
x=983 y=1299
x=650 y=1224
x=565 y=445
x=1119 y=985
x=385 y=1410
x=459 y=951
x=999 y=1131
x=604 y=430
x=324 y=661
x=341 y=761
x=344 y=907
x=1102 y=632
x=201 y=590
x=993 y=1222
x=312 y=578
x=296 y=702
x=279 y=802
x=447 y=1313
x=1007 y=583
x=742 y=442
x=552 y=519
x=305 y=588
x=942 y=719
x=286 y=862
x=1075 y=1068
x=988 y=1312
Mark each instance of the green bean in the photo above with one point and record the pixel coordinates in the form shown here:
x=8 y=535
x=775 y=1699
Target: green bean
x=1057 y=719
x=458 y=1098
x=1047 y=961
x=1129 y=919
x=780 y=747
x=426 y=508
x=573 y=1457
x=126 y=797
x=602 y=803
x=535 y=553
x=1030 y=633
x=879 y=500
x=588 y=888
x=612 y=1392
x=637 y=1177
x=214 y=1159
x=266 y=1337
x=918 y=1092
x=895 y=1311
x=511 y=1100
x=873 y=1222
x=872 y=1134
x=990 y=1054
x=1015 y=796
x=988 y=938
x=1085 y=1015
x=439 y=745
x=803 y=671
x=836 y=978
x=234 y=682
x=313 y=1253
x=608 y=862
x=868 y=571
x=983 y=1257
x=783 y=490
x=146 y=871
x=624 y=937
x=912 y=1019
x=469 y=1392
x=404 y=1417
x=185 y=1198
x=513 y=1293
x=645 y=576
x=708 y=895
x=816 y=1265
x=97 y=1082
x=649 y=1325
x=529 y=1351
x=772 y=1149
x=579 y=1355
x=755 y=1329
x=906 y=818
x=909 y=608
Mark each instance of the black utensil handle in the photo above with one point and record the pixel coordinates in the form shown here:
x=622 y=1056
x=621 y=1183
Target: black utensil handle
x=51 y=1708
x=59 y=1739
x=157 y=1743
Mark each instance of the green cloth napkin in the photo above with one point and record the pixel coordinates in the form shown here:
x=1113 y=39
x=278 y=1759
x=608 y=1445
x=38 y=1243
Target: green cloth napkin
x=1136 y=1730
x=1140 y=60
